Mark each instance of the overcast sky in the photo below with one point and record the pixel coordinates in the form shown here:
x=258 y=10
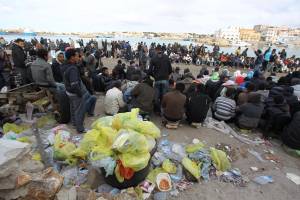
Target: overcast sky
x=198 y=16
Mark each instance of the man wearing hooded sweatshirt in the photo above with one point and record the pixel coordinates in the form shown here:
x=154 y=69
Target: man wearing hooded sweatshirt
x=81 y=101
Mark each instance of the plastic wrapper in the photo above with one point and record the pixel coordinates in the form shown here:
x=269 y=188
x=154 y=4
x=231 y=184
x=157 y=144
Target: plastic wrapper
x=192 y=167
x=107 y=163
x=135 y=161
x=191 y=148
x=219 y=159
x=125 y=172
x=129 y=141
x=169 y=167
x=102 y=122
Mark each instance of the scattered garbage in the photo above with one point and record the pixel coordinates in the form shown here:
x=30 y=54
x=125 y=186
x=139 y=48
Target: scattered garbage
x=263 y=180
x=256 y=155
x=294 y=178
x=254 y=169
x=234 y=176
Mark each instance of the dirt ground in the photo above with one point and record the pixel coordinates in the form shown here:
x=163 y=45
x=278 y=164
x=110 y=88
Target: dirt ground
x=281 y=189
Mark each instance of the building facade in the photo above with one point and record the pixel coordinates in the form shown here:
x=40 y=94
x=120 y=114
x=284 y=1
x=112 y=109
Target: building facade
x=249 y=35
x=231 y=34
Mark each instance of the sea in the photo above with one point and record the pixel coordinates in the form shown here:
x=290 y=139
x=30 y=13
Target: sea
x=291 y=50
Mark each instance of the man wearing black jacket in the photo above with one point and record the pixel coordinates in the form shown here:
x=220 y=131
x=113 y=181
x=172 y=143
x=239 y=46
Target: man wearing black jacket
x=160 y=69
x=80 y=99
x=19 y=57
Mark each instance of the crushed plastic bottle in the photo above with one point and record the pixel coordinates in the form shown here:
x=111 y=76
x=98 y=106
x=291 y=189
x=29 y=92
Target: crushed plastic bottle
x=178 y=176
x=263 y=180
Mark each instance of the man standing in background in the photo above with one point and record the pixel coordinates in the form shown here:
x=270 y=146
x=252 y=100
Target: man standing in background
x=19 y=58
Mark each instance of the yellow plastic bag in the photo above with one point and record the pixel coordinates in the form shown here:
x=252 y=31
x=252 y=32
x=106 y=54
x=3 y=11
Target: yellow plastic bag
x=169 y=167
x=191 y=167
x=219 y=159
x=106 y=137
x=129 y=141
x=45 y=120
x=100 y=152
x=89 y=140
x=119 y=119
x=36 y=156
x=79 y=154
x=62 y=149
x=136 y=162
x=102 y=122
x=24 y=139
x=14 y=128
x=143 y=127
x=153 y=174
x=191 y=148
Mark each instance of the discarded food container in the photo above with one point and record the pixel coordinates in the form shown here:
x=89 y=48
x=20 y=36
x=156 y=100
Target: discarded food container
x=163 y=182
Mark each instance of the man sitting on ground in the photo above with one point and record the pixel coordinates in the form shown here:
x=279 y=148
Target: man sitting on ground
x=249 y=113
x=173 y=106
x=143 y=96
x=42 y=73
x=224 y=107
x=113 y=101
x=197 y=106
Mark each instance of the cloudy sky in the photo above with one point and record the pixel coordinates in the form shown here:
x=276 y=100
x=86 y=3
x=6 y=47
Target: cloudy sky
x=199 y=16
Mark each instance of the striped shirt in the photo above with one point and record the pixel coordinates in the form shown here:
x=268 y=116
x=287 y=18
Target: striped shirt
x=224 y=108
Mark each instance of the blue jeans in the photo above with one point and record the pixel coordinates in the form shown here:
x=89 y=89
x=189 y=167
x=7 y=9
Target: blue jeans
x=161 y=88
x=79 y=106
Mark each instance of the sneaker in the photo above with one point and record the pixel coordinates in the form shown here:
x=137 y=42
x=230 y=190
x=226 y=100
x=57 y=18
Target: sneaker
x=171 y=126
x=196 y=125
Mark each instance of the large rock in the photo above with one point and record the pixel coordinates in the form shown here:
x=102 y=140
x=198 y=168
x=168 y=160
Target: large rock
x=11 y=152
x=76 y=193
x=67 y=194
x=39 y=186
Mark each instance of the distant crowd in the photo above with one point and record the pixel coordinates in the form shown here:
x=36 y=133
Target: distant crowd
x=251 y=100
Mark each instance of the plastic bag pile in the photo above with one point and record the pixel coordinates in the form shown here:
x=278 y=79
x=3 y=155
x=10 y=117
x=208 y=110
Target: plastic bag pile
x=121 y=145
x=192 y=161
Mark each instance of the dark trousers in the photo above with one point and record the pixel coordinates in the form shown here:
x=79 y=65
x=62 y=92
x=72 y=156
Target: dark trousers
x=79 y=106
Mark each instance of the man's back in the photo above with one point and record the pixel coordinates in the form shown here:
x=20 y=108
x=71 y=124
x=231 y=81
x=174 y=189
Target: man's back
x=113 y=101
x=18 y=56
x=160 y=67
x=173 y=104
x=42 y=73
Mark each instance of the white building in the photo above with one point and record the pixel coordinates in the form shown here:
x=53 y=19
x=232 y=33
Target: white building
x=269 y=34
x=231 y=33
